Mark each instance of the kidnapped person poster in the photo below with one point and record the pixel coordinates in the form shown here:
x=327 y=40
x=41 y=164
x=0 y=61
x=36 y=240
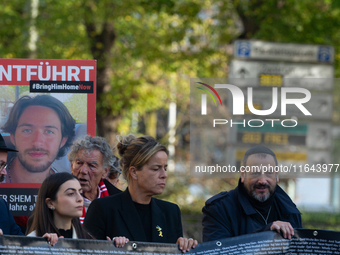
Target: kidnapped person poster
x=45 y=104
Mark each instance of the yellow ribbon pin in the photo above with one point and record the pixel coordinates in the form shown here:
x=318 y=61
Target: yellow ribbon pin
x=160 y=231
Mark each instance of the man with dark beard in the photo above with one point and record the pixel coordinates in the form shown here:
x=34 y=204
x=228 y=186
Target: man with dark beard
x=41 y=129
x=256 y=204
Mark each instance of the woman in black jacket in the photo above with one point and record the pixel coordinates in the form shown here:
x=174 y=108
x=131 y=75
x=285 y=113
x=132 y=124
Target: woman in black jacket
x=135 y=214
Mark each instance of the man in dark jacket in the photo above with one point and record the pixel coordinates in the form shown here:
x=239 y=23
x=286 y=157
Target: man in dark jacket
x=256 y=204
x=7 y=223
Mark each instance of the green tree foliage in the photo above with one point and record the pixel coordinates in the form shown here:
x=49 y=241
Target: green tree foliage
x=7 y=94
x=146 y=50
x=77 y=107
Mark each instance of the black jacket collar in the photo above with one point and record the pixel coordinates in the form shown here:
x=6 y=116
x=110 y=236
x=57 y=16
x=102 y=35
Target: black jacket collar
x=131 y=219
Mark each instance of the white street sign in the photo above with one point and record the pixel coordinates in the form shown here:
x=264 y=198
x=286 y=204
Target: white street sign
x=268 y=73
x=283 y=51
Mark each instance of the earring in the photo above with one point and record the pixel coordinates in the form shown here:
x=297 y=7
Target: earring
x=52 y=208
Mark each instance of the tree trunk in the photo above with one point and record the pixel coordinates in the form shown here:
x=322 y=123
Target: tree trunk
x=107 y=127
x=250 y=20
x=33 y=33
x=101 y=37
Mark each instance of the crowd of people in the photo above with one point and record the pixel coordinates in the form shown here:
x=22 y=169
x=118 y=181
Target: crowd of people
x=86 y=203
x=66 y=199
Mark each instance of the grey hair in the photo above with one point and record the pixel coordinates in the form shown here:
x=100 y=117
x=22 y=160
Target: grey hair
x=89 y=143
x=259 y=155
x=115 y=168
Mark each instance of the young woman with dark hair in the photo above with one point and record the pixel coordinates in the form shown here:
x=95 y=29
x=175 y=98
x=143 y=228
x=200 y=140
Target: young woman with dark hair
x=58 y=208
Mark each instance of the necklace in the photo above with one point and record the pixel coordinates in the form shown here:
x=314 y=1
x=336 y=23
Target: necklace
x=265 y=219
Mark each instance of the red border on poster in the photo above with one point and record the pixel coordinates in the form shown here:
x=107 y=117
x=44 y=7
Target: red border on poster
x=21 y=71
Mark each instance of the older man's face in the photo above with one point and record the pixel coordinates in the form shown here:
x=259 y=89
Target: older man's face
x=3 y=160
x=88 y=167
x=259 y=184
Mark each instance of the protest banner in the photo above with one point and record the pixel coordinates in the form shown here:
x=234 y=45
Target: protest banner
x=67 y=91
x=305 y=241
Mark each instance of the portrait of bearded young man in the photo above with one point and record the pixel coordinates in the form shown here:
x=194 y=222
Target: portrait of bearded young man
x=41 y=130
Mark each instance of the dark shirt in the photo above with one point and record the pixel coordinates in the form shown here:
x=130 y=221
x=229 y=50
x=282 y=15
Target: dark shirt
x=65 y=233
x=144 y=212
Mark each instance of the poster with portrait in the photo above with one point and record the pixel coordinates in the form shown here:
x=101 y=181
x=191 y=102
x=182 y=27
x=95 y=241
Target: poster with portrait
x=45 y=104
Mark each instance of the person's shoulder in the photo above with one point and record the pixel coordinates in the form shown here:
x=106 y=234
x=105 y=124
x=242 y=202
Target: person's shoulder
x=285 y=201
x=164 y=204
x=114 y=197
x=112 y=190
x=107 y=201
x=32 y=234
x=219 y=197
x=3 y=203
x=279 y=192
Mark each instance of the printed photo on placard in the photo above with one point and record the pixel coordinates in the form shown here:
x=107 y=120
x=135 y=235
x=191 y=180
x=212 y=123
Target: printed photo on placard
x=45 y=104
